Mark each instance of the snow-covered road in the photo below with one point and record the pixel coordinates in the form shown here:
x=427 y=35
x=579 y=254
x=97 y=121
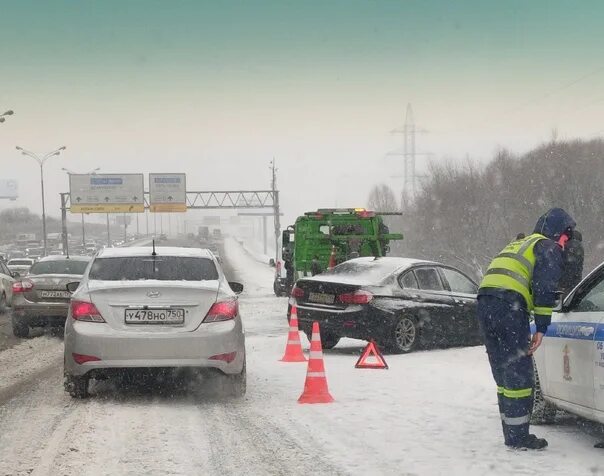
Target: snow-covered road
x=431 y=413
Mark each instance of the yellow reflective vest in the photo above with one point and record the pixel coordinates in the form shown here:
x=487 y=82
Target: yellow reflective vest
x=512 y=270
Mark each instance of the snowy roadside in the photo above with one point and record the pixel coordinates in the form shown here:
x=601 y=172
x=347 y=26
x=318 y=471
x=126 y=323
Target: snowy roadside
x=431 y=413
x=27 y=359
x=252 y=248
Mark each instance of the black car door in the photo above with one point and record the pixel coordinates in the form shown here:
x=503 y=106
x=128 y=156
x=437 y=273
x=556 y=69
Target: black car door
x=463 y=291
x=436 y=306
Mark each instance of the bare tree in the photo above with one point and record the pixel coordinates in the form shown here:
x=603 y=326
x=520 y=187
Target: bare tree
x=464 y=214
x=382 y=199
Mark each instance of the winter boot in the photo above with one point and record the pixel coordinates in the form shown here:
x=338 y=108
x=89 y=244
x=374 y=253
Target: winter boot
x=531 y=442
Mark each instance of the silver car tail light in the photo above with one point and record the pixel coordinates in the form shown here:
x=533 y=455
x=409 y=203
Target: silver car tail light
x=228 y=357
x=222 y=311
x=83 y=358
x=22 y=286
x=85 y=311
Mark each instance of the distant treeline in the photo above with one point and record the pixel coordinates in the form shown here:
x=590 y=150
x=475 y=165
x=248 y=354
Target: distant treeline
x=464 y=214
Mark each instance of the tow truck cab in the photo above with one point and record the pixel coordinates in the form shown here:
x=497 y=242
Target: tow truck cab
x=315 y=236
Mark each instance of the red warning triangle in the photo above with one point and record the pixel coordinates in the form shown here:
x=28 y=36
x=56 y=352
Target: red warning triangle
x=371 y=358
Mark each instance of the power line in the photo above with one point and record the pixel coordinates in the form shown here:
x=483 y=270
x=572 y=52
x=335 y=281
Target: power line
x=564 y=86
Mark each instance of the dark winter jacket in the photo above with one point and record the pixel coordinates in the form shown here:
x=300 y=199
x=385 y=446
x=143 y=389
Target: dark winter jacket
x=573 y=257
x=548 y=267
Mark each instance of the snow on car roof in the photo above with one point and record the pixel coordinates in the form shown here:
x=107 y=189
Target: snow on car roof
x=367 y=270
x=392 y=262
x=63 y=258
x=160 y=250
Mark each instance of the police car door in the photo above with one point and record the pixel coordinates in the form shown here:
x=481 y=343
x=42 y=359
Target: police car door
x=570 y=345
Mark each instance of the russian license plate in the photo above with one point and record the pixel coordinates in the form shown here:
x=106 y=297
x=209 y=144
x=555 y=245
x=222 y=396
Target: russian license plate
x=155 y=316
x=321 y=298
x=54 y=294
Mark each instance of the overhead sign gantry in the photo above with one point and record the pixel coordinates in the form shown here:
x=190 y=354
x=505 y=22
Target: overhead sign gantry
x=97 y=202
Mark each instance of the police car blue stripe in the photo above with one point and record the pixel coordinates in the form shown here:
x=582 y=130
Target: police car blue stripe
x=599 y=332
x=575 y=330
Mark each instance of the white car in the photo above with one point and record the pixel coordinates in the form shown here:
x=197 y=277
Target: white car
x=570 y=361
x=6 y=287
x=20 y=265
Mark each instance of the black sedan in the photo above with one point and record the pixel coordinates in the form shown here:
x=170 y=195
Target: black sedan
x=403 y=304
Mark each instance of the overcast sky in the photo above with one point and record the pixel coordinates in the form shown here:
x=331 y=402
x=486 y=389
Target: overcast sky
x=217 y=89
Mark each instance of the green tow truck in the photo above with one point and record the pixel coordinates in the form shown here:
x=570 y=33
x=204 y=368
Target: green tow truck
x=329 y=234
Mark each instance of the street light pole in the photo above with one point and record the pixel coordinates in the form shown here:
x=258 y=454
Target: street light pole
x=83 y=234
x=43 y=208
x=41 y=162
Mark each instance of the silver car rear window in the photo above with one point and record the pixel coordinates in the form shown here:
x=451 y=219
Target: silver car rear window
x=59 y=267
x=163 y=268
x=20 y=262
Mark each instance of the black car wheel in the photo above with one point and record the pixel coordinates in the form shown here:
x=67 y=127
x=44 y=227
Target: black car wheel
x=2 y=303
x=77 y=387
x=405 y=336
x=237 y=384
x=328 y=340
x=20 y=328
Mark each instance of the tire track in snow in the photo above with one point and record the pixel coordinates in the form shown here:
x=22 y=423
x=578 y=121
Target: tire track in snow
x=31 y=425
x=247 y=442
x=26 y=363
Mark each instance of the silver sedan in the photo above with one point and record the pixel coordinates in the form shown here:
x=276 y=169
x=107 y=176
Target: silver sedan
x=145 y=308
x=40 y=299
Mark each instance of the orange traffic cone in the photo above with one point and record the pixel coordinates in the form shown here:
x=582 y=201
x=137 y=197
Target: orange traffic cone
x=293 y=349
x=315 y=387
x=332 y=258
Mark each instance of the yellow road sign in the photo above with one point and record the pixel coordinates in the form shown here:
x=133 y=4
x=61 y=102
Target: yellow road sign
x=108 y=208
x=168 y=207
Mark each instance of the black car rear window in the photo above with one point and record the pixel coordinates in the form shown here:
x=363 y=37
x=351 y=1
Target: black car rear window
x=163 y=268
x=59 y=267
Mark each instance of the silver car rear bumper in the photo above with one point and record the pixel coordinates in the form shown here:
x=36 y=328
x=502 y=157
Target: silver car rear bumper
x=148 y=349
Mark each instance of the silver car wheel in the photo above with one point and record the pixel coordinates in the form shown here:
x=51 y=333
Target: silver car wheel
x=405 y=334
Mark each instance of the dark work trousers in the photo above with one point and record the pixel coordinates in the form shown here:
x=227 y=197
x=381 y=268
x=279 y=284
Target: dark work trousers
x=506 y=332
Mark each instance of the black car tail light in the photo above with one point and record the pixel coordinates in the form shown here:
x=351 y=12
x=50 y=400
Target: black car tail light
x=358 y=297
x=297 y=292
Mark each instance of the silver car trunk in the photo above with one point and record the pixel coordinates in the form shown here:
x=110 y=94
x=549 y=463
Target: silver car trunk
x=114 y=298
x=50 y=287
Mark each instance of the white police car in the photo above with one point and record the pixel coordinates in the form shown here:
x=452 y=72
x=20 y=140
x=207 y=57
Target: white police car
x=570 y=361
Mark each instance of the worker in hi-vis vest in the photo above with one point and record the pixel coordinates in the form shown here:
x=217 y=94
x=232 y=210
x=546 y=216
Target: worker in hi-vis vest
x=521 y=280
